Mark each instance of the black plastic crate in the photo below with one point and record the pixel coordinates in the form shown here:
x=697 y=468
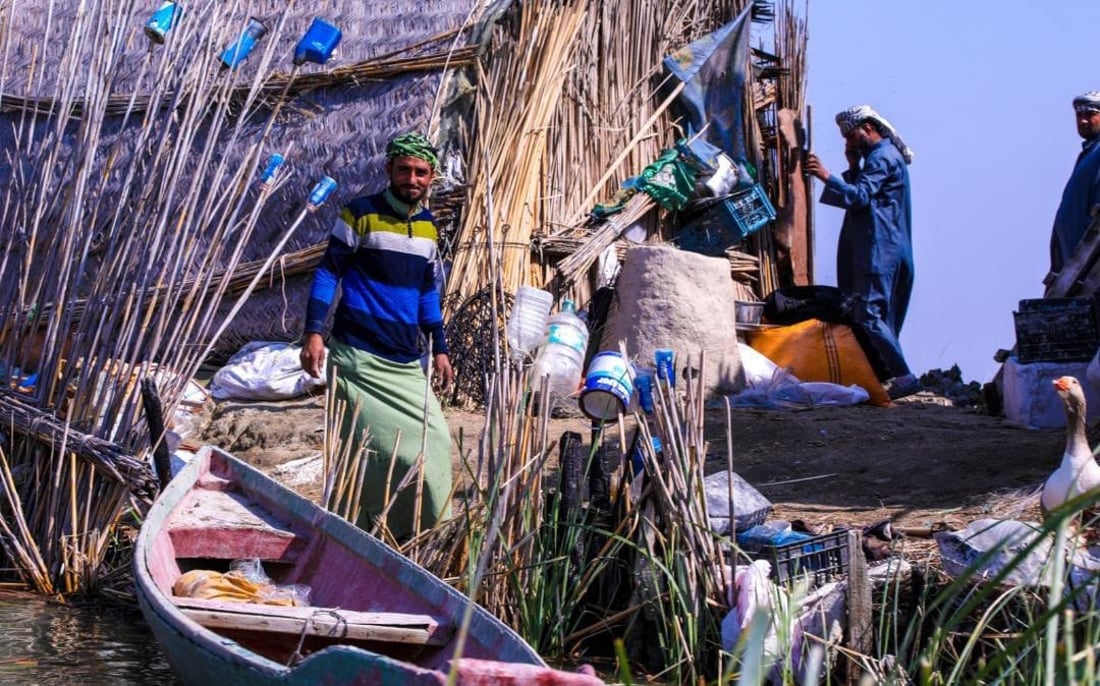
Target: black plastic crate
x=825 y=557
x=1056 y=330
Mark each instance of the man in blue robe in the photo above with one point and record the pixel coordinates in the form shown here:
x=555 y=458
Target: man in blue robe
x=1082 y=191
x=875 y=249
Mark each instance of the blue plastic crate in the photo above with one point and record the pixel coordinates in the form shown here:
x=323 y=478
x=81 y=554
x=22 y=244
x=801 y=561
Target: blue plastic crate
x=825 y=557
x=727 y=223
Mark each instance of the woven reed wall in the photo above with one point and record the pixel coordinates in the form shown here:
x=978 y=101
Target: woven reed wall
x=339 y=131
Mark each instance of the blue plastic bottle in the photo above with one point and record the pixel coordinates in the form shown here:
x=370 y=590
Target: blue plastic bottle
x=321 y=192
x=240 y=49
x=318 y=43
x=272 y=169
x=162 y=21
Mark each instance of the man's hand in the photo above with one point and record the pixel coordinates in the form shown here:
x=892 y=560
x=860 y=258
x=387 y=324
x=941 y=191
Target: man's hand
x=444 y=373
x=313 y=355
x=814 y=167
x=853 y=154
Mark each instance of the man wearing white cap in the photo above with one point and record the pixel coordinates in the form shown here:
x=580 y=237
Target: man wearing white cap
x=1082 y=191
x=875 y=250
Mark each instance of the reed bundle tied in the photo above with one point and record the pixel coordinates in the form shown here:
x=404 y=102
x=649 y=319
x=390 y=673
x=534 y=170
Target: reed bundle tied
x=602 y=115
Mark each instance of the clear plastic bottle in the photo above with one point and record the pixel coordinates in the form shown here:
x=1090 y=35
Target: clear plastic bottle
x=561 y=357
x=526 y=326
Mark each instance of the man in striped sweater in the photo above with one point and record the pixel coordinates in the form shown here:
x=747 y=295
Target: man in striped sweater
x=382 y=255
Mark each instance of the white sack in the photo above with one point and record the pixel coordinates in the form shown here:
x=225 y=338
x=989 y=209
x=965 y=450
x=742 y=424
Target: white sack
x=263 y=371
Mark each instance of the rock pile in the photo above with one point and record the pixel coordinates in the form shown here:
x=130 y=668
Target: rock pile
x=949 y=384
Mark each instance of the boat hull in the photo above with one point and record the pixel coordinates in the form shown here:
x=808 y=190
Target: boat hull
x=219 y=509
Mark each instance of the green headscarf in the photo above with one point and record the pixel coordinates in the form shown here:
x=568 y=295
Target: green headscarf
x=413 y=145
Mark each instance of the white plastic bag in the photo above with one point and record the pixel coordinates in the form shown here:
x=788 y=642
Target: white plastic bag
x=263 y=370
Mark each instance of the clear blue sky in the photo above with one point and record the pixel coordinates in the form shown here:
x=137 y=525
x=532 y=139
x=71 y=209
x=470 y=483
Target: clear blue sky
x=981 y=90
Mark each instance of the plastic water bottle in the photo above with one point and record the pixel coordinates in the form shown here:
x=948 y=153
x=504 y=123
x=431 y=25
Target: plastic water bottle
x=561 y=357
x=526 y=325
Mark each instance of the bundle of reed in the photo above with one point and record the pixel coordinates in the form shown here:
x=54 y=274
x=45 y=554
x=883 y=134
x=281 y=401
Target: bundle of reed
x=639 y=205
x=58 y=516
x=169 y=218
x=108 y=458
x=616 y=115
x=605 y=123
x=517 y=100
x=744 y=267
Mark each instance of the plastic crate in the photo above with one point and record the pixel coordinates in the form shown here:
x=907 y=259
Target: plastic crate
x=825 y=557
x=1056 y=330
x=727 y=223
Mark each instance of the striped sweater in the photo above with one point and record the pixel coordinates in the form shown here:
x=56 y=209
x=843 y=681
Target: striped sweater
x=383 y=254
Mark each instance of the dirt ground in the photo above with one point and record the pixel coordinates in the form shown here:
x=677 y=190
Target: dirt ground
x=918 y=463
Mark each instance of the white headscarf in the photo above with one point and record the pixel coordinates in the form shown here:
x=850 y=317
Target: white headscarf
x=1087 y=102
x=852 y=117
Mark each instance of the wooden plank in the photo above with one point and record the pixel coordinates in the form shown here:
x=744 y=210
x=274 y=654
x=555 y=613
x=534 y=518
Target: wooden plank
x=390 y=627
x=861 y=634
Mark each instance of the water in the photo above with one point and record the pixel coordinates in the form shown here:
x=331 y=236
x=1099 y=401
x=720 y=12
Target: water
x=52 y=645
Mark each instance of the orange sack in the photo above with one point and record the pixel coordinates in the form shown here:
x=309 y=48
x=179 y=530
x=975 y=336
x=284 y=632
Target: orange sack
x=814 y=350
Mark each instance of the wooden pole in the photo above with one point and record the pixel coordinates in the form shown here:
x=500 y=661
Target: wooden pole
x=154 y=416
x=861 y=631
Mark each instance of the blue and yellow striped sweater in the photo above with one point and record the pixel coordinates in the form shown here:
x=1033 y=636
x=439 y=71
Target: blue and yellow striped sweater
x=383 y=254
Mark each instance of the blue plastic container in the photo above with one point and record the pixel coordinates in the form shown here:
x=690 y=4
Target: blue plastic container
x=321 y=191
x=162 y=21
x=272 y=169
x=318 y=43
x=240 y=49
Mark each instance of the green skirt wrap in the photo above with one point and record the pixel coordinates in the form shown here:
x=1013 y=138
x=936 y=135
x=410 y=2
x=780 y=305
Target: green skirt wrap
x=391 y=398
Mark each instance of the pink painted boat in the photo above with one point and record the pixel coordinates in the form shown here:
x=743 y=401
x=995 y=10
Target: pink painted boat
x=375 y=617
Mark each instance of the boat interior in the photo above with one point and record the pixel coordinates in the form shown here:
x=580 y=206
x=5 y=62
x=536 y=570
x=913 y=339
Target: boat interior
x=366 y=604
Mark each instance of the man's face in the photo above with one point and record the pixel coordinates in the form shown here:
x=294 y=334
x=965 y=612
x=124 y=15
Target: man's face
x=1088 y=123
x=410 y=178
x=859 y=138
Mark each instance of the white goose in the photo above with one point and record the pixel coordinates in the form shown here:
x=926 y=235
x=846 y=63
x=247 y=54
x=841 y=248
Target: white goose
x=1079 y=471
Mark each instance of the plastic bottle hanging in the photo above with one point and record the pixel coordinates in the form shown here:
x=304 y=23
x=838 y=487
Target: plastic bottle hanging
x=162 y=21
x=318 y=43
x=321 y=192
x=242 y=47
x=271 y=171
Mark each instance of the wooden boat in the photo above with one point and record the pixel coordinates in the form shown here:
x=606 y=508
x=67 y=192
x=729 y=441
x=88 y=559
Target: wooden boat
x=374 y=617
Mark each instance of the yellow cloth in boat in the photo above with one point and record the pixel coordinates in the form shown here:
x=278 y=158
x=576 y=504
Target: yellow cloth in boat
x=230 y=586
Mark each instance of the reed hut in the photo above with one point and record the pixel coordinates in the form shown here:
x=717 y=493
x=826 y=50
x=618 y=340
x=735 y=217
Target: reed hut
x=138 y=242
x=133 y=225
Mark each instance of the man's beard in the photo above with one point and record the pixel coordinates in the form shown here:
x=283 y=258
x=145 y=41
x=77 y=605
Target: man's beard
x=401 y=195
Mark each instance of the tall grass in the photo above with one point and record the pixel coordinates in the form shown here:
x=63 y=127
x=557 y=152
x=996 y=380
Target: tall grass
x=590 y=563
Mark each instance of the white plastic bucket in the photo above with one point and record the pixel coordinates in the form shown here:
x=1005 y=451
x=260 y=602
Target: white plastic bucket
x=607 y=386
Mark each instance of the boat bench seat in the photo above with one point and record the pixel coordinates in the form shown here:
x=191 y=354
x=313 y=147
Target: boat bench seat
x=390 y=627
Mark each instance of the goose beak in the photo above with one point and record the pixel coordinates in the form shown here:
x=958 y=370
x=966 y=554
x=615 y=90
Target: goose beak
x=1062 y=384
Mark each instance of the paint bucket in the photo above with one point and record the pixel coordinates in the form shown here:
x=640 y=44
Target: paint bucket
x=607 y=386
